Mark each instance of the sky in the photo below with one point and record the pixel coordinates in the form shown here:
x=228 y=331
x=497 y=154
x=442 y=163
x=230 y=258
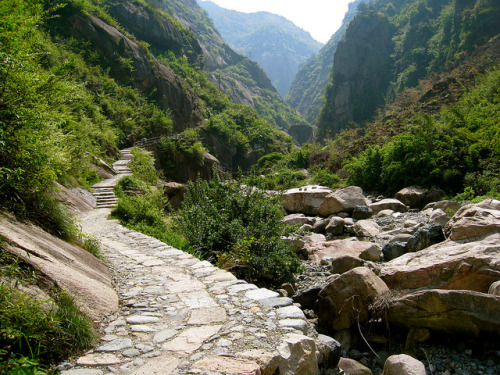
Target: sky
x=320 y=17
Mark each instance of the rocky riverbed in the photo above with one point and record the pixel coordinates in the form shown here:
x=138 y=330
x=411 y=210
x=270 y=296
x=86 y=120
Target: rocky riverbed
x=437 y=269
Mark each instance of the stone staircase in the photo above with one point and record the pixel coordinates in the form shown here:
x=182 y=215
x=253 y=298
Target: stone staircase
x=103 y=191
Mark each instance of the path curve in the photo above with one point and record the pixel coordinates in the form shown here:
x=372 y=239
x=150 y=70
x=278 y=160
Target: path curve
x=180 y=315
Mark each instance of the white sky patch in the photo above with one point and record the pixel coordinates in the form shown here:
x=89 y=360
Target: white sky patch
x=320 y=17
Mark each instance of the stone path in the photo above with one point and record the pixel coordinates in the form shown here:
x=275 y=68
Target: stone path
x=180 y=315
x=103 y=191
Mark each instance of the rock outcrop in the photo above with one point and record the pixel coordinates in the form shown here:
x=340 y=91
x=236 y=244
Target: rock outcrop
x=447 y=265
x=452 y=312
x=66 y=266
x=306 y=200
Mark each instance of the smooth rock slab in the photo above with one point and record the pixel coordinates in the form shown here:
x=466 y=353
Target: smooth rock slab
x=290 y=312
x=228 y=365
x=141 y=328
x=209 y=315
x=260 y=294
x=191 y=339
x=116 y=345
x=164 y=335
x=164 y=364
x=104 y=359
x=142 y=319
x=276 y=302
x=297 y=324
x=82 y=371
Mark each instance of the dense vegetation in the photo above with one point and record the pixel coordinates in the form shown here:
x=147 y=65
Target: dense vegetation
x=275 y=43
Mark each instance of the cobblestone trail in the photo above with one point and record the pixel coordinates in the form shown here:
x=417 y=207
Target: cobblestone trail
x=180 y=315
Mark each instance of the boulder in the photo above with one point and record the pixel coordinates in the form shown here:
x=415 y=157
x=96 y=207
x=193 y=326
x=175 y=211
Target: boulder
x=403 y=365
x=336 y=226
x=446 y=206
x=267 y=360
x=329 y=351
x=438 y=216
x=362 y=212
x=413 y=196
x=343 y=200
x=345 y=263
x=474 y=221
x=320 y=225
x=298 y=355
x=425 y=237
x=388 y=204
x=175 y=193
x=297 y=219
x=345 y=299
x=447 y=265
x=308 y=297
x=352 y=367
x=373 y=253
x=366 y=228
x=337 y=248
x=296 y=244
x=494 y=288
x=394 y=250
x=306 y=200
x=455 y=312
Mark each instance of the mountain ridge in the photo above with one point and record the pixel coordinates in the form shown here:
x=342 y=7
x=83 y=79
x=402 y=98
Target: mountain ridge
x=276 y=43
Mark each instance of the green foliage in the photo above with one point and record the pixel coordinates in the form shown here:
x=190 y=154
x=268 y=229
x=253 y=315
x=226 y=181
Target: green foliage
x=143 y=167
x=35 y=330
x=454 y=150
x=238 y=227
x=324 y=177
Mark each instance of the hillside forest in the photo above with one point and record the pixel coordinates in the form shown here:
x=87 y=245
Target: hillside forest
x=407 y=92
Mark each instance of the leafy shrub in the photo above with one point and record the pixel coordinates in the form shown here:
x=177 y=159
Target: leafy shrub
x=324 y=177
x=239 y=228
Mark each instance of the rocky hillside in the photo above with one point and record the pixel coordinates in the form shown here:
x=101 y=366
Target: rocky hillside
x=277 y=44
x=308 y=87
x=390 y=46
x=243 y=80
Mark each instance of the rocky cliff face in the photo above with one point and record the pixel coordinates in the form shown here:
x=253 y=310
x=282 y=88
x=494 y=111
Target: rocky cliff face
x=242 y=79
x=128 y=61
x=308 y=87
x=161 y=33
x=360 y=74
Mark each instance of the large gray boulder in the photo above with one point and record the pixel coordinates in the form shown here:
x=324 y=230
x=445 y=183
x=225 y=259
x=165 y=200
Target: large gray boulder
x=337 y=248
x=458 y=312
x=306 y=200
x=343 y=200
x=345 y=299
x=447 y=265
x=474 y=221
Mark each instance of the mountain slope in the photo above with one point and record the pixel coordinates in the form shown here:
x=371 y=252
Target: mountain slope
x=390 y=46
x=243 y=80
x=308 y=87
x=274 y=42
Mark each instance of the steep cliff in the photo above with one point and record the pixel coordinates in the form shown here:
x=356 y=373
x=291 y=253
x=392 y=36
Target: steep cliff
x=360 y=73
x=131 y=63
x=277 y=44
x=308 y=87
x=391 y=46
x=242 y=79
